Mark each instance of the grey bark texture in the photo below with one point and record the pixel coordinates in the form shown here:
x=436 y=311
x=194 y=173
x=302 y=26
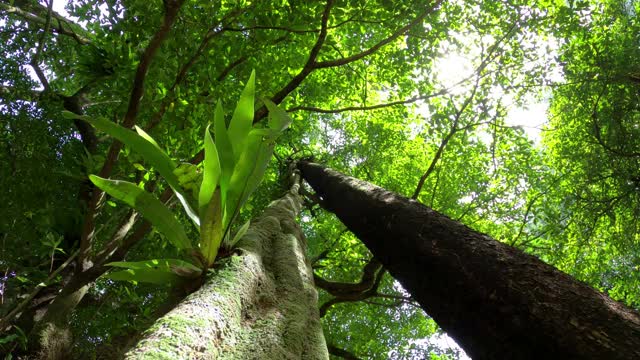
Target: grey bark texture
x=260 y=304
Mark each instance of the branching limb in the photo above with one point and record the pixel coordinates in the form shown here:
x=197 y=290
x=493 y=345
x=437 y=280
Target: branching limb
x=6 y=320
x=348 y=292
x=376 y=47
x=454 y=130
x=36 y=57
x=171 y=11
x=59 y=24
x=492 y=54
x=309 y=66
x=339 y=352
x=368 y=107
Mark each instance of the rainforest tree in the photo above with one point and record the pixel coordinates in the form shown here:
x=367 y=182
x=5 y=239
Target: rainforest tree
x=415 y=97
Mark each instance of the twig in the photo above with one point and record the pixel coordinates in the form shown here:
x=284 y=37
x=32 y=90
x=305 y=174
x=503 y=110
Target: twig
x=36 y=56
x=4 y=322
x=59 y=24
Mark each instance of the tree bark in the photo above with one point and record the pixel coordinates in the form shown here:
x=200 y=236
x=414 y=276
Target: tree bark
x=261 y=304
x=494 y=300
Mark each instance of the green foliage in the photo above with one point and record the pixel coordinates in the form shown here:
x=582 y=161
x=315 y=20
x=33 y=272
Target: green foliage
x=571 y=200
x=147 y=148
x=150 y=207
x=162 y=271
x=218 y=206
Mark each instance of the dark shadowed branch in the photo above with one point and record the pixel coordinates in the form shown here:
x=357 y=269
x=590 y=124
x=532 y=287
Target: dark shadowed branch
x=171 y=12
x=339 y=352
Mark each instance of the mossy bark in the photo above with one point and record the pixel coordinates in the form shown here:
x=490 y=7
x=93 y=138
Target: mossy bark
x=260 y=304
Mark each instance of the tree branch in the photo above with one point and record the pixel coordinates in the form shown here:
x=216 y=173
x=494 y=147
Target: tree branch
x=336 y=351
x=36 y=56
x=6 y=320
x=306 y=70
x=59 y=25
x=444 y=142
x=340 y=289
x=171 y=11
x=349 y=292
x=376 y=47
x=478 y=73
x=367 y=107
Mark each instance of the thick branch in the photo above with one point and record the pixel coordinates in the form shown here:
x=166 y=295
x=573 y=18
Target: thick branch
x=306 y=70
x=340 y=289
x=336 y=351
x=171 y=11
x=348 y=292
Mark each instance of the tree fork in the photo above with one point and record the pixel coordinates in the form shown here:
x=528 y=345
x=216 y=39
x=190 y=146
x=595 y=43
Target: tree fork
x=494 y=300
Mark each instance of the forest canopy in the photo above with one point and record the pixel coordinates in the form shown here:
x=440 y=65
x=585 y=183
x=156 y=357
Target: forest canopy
x=517 y=118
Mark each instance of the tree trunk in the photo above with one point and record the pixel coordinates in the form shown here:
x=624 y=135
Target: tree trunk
x=494 y=300
x=260 y=304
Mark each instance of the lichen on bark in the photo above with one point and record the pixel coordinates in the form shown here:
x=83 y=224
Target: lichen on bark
x=258 y=304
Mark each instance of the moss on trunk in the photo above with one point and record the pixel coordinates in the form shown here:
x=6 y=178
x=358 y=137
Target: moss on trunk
x=260 y=304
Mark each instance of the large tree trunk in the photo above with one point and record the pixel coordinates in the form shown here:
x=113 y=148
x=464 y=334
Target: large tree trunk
x=260 y=304
x=494 y=300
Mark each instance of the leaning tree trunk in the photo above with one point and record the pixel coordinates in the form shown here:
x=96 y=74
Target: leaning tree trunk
x=261 y=304
x=494 y=300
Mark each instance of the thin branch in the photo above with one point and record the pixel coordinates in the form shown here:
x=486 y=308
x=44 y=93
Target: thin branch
x=368 y=107
x=376 y=47
x=299 y=31
x=36 y=56
x=5 y=321
x=11 y=93
x=59 y=25
x=182 y=73
x=483 y=64
x=454 y=130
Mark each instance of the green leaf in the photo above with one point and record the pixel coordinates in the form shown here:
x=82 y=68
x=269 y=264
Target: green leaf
x=212 y=230
x=148 y=275
x=157 y=271
x=248 y=171
x=178 y=267
x=71 y=116
x=225 y=150
x=153 y=264
x=239 y=234
x=143 y=144
x=211 y=173
x=242 y=119
x=147 y=205
x=9 y=338
x=278 y=118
